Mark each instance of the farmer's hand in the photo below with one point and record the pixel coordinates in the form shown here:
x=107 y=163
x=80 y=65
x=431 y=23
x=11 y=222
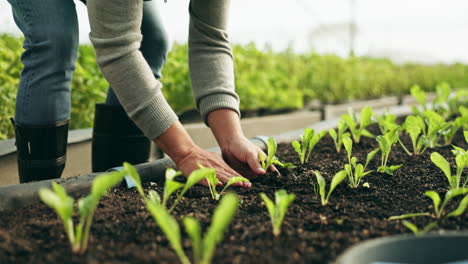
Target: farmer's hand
x=241 y=154
x=176 y=143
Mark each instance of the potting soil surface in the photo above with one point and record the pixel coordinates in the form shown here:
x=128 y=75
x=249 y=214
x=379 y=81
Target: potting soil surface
x=124 y=232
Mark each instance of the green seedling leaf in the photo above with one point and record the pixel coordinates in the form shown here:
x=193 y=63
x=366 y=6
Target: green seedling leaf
x=266 y=162
x=404 y=216
x=232 y=181
x=416 y=230
x=169 y=226
x=194 y=231
x=435 y=200
x=171 y=185
x=58 y=200
x=133 y=174
x=278 y=209
x=419 y=95
x=444 y=165
x=194 y=177
x=337 y=179
x=220 y=221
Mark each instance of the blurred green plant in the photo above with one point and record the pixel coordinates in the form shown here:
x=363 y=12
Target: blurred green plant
x=264 y=79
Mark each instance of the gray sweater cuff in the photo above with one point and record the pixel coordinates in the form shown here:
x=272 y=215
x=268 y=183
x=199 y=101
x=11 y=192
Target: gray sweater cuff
x=155 y=118
x=217 y=101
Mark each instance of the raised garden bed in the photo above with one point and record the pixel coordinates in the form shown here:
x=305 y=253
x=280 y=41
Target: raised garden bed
x=124 y=232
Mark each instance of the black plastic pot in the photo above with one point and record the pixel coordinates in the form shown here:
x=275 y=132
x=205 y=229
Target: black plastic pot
x=448 y=248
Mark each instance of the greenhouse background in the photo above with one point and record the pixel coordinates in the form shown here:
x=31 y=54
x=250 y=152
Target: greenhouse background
x=302 y=47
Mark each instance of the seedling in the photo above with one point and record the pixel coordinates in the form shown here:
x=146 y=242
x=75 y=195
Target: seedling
x=203 y=248
x=58 y=199
x=171 y=186
x=358 y=129
x=213 y=182
x=271 y=158
x=222 y=217
x=337 y=137
x=385 y=144
x=416 y=128
x=386 y=122
x=337 y=179
x=307 y=144
x=439 y=212
x=354 y=177
x=436 y=127
x=420 y=97
x=416 y=230
x=278 y=209
x=461 y=161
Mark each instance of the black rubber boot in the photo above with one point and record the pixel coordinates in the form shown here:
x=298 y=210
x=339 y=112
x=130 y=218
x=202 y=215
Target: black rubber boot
x=41 y=150
x=116 y=139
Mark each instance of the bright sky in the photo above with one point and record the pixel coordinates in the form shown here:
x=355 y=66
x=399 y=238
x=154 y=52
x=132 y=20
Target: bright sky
x=404 y=30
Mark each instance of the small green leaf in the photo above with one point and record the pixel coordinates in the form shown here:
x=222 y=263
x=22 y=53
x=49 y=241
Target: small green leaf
x=460 y=209
x=404 y=216
x=234 y=180
x=443 y=164
x=435 y=200
x=411 y=227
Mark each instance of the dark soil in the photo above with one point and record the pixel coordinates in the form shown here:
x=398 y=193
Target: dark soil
x=124 y=232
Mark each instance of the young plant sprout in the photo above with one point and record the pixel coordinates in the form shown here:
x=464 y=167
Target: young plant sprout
x=171 y=186
x=354 y=177
x=63 y=205
x=213 y=182
x=278 y=209
x=337 y=137
x=337 y=179
x=307 y=144
x=416 y=230
x=420 y=97
x=271 y=158
x=222 y=217
x=386 y=122
x=358 y=129
x=203 y=248
x=385 y=144
x=439 y=212
x=415 y=128
x=461 y=160
x=436 y=127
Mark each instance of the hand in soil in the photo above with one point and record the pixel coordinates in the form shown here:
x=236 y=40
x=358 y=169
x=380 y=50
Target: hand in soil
x=209 y=160
x=243 y=156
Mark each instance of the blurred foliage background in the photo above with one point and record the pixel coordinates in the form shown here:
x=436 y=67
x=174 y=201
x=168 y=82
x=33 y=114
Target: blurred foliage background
x=264 y=79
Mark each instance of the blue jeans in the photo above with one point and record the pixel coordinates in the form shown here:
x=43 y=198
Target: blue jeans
x=50 y=29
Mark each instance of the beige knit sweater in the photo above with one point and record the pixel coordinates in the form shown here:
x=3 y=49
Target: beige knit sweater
x=115 y=34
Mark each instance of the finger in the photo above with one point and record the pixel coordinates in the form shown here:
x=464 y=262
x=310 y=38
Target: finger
x=272 y=168
x=254 y=163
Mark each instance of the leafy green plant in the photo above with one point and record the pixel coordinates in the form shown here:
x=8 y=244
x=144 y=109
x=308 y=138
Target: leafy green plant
x=436 y=127
x=416 y=230
x=337 y=179
x=171 y=186
x=439 y=212
x=385 y=144
x=308 y=141
x=420 y=97
x=213 y=182
x=278 y=209
x=386 y=122
x=415 y=127
x=455 y=181
x=203 y=249
x=271 y=158
x=338 y=136
x=355 y=176
x=358 y=128
x=58 y=199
